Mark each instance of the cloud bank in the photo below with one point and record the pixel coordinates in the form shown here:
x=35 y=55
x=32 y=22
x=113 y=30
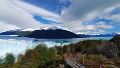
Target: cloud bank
x=82 y=13
x=85 y=16
x=12 y=14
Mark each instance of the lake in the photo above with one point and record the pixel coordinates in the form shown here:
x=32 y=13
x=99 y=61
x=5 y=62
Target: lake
x=17 y=45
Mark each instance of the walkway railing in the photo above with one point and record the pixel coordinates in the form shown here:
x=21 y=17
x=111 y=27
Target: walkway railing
x=72 y=62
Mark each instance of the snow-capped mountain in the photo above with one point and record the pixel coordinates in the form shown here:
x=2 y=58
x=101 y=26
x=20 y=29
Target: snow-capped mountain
x=52 y=32
x=19 y=31
x=29 y=29
x=49 y=33
x=99 y=35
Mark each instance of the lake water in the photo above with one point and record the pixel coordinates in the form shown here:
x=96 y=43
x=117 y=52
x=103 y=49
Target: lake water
x=17 y=45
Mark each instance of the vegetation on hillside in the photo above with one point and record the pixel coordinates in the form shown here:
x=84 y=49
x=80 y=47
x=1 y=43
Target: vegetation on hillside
x=88 y=52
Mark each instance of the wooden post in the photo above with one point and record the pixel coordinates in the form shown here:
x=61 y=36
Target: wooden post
x=83 y=59
x=100 y=66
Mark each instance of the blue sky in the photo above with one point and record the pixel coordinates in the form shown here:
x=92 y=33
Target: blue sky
x=55 y=6
x=79 y=16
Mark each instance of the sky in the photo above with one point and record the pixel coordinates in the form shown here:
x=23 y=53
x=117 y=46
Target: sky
x=78 y=16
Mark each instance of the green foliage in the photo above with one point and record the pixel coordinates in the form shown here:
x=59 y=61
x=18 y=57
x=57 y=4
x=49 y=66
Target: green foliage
x=8 y=61
x=92 y=59
x=116 y=39
x=39 y=57
x=1 y=60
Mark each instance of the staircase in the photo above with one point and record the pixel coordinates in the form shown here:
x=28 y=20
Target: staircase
x=72 y=62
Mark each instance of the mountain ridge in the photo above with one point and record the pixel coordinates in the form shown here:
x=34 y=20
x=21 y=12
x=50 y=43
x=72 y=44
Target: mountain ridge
x=43 y=33
x=51 y=33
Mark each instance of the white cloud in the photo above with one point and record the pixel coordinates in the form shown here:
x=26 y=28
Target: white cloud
x=13 y=15
x=20 y=14
x=5 y=26
x=80 y=8
x=37 y=10
x=115 y=17
x=102 y=26
x=90 y=27
x=84 y=11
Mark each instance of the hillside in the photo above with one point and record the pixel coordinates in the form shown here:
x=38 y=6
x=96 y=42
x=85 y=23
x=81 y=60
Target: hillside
x=52 y=34
x=88 y=53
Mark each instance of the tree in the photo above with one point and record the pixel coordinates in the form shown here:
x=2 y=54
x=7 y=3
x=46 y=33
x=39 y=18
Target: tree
x=8 y=61
x=1 y=61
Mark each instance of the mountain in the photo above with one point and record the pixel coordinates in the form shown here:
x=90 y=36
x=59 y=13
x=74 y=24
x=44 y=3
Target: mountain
x=98 y=35
x=52 y=34
x=84 y=35
x=11 y=32
x=16 y=32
